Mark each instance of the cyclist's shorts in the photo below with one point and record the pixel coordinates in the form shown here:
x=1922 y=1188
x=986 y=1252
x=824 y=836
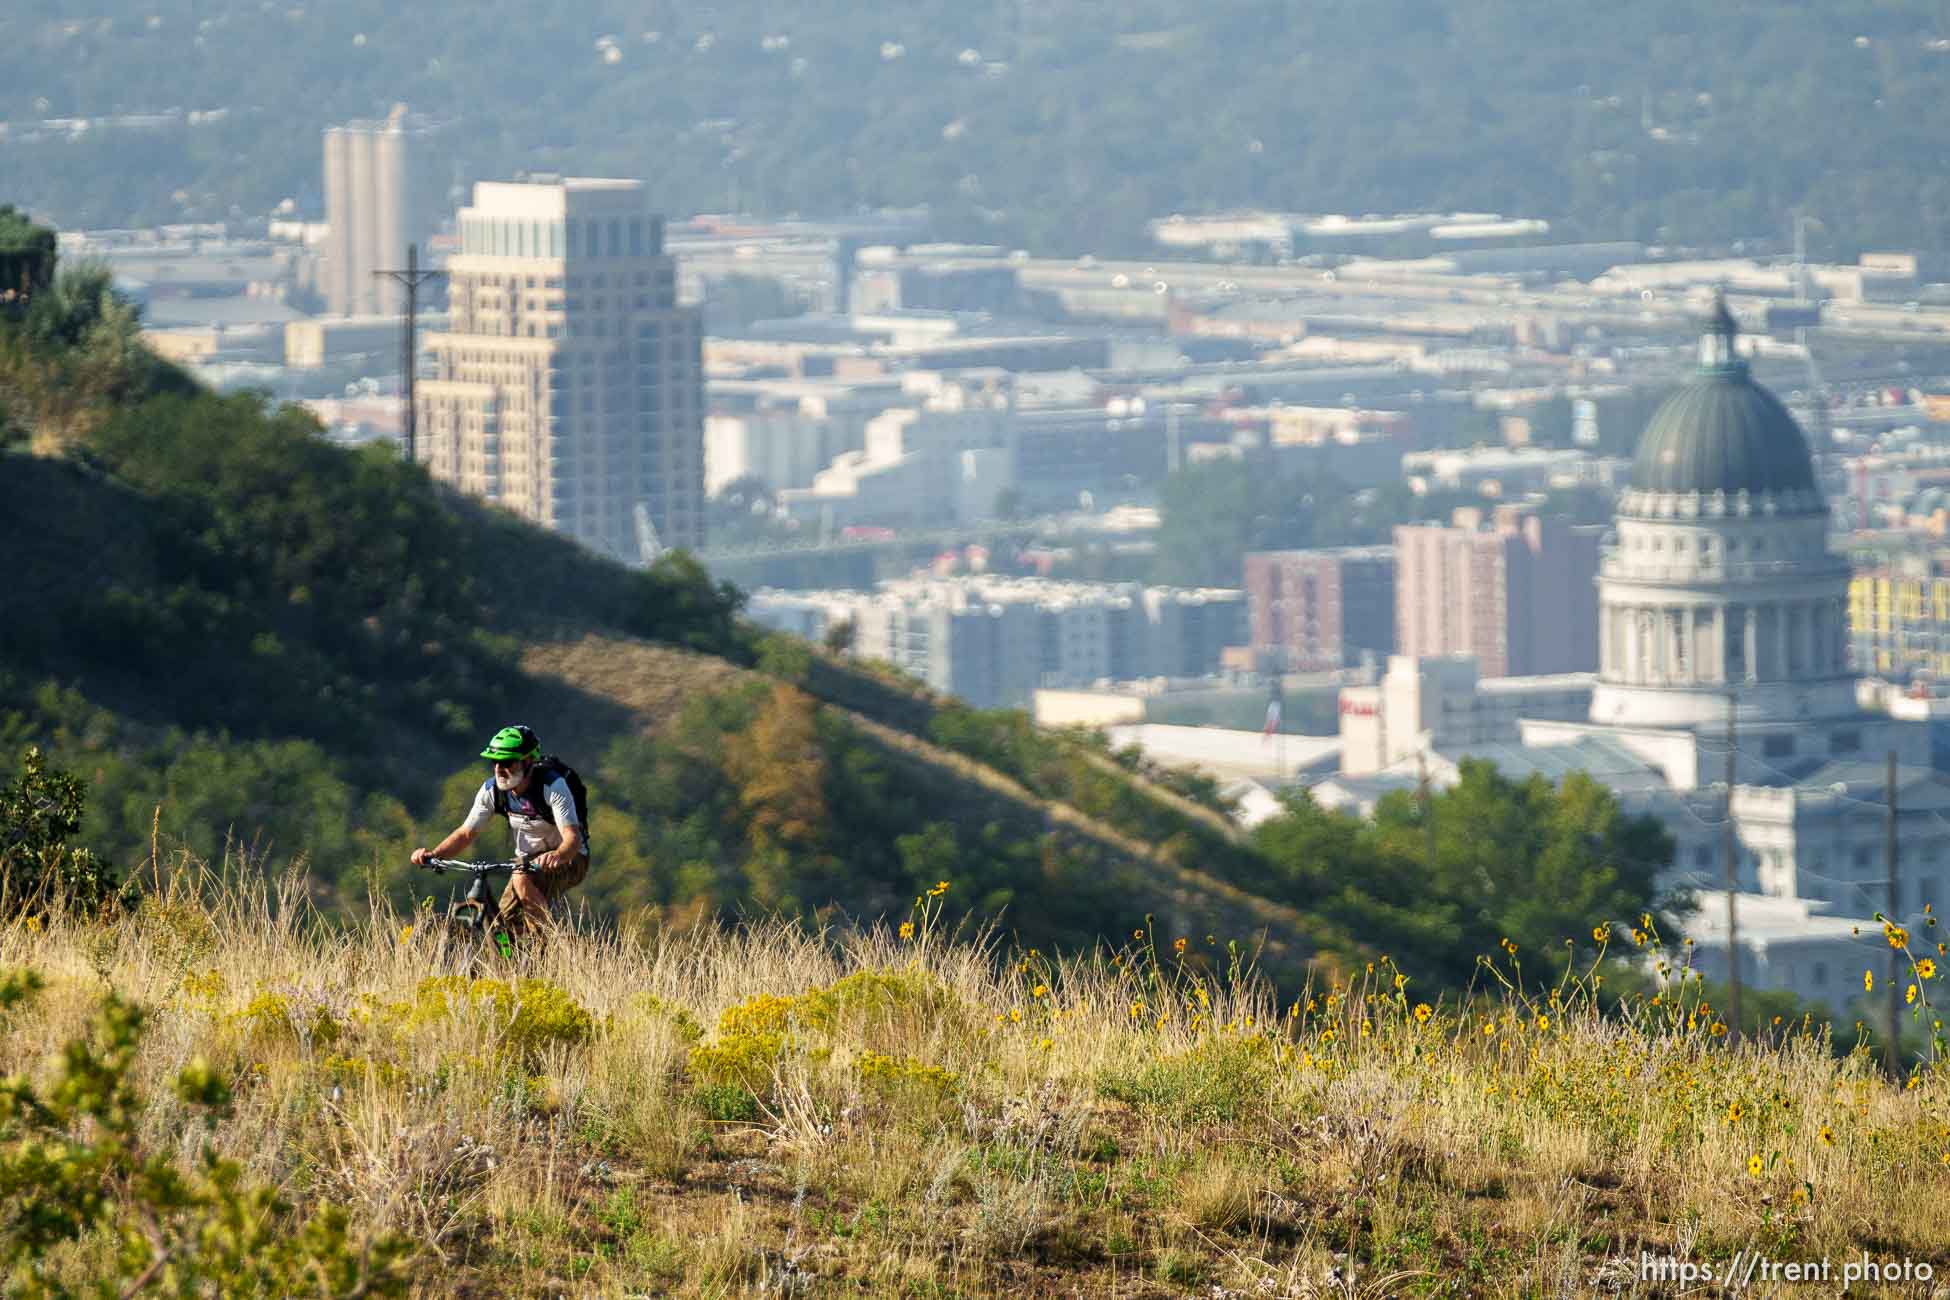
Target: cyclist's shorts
x=554 y=883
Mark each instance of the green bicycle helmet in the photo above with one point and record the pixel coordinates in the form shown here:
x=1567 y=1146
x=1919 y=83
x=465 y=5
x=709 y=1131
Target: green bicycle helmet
x=511 y=743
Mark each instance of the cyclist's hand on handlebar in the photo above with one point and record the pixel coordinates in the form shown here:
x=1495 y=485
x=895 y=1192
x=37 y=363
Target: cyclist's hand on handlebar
x=420 y=857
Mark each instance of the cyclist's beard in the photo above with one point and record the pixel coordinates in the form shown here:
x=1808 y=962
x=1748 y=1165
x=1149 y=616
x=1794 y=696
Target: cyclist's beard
x=509 y=783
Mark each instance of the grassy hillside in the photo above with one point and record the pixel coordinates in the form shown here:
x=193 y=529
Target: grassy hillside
x=909 y=1114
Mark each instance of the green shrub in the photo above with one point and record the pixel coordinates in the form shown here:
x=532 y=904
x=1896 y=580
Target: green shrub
x=727 y=1103
x=73 y=1164
x=40 y=811
x=1219 y=1081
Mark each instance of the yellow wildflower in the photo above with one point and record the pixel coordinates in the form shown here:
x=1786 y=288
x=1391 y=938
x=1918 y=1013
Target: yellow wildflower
x=907 y=929
x=405 y=933
x=1040 y=991
x=1047 y=1043
x=1755 y=1165
x=1178 y=947
x=1910 y=995
x=1926 y=968
x=1489 y=1028
x=1423 y=1011
x=1868 y=981
x=1735 y=1112
x=1015 y=1015
x=1826 y=1135
x=1897 y=936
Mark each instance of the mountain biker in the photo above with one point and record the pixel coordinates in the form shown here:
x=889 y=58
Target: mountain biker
x=541 y=813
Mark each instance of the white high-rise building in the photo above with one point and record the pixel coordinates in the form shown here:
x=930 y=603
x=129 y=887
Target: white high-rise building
x=370 y=207
x=569 y=386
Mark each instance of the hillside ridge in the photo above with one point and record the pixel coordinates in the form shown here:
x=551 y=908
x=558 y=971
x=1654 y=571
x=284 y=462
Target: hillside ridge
x=649 y=680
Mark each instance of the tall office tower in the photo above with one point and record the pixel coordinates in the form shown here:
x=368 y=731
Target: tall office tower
x=1516 y=590
x=371 y=207
x=569 y=385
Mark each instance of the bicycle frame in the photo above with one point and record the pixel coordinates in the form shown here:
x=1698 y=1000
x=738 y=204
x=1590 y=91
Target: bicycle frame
x=479 y=913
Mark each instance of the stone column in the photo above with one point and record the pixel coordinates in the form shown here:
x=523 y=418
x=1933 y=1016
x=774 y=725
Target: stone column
x=1781 y=641
x=1810 y=640
x=1689 y=629
x=1752 y=635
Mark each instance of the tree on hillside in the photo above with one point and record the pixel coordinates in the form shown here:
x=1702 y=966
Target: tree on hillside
x=40 y=813
x=779 y=769
x=27 y=254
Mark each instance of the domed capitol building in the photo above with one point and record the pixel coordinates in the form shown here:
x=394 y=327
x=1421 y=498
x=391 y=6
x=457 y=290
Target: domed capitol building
x=1723 y=627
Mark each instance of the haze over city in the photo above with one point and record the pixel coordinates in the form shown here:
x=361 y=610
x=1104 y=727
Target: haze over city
x=1377 y=573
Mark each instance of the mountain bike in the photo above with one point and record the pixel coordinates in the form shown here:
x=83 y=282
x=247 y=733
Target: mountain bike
x=473 y=921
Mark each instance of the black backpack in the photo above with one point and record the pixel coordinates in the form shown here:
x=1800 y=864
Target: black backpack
x=547 y=768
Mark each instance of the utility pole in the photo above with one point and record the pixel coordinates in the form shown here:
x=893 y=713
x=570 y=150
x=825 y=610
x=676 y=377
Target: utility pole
x=412 y=277
x=1895 y=957
x=1729 y=848
x=1428 y=811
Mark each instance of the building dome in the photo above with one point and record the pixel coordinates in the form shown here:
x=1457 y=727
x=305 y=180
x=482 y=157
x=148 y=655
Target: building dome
x=1723 y=435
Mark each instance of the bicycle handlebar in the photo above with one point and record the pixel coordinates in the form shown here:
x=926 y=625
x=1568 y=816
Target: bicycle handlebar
x=440 y=866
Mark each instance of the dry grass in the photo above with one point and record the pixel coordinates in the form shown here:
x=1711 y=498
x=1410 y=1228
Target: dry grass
x=923 y=1117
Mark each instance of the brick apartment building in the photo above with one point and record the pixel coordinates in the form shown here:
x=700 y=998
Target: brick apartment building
x=1515 y=589
x=1319 y=609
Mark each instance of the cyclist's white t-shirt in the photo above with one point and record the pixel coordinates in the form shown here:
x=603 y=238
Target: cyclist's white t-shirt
x=532 y=833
